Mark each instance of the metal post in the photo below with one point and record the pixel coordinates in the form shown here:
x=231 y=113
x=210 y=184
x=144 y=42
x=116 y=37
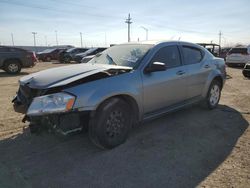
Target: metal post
x=146 y=29
x=128 y=21
x=81 y=38
x=56 y=38
x=34 y=37
x=12 y=38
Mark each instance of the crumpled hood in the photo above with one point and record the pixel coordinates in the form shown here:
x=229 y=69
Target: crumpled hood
x=64 y=75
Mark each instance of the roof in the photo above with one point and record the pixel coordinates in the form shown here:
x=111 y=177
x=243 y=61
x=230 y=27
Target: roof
x=155 y=42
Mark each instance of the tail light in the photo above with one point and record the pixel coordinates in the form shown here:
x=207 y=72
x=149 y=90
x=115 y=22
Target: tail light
x=33 y=57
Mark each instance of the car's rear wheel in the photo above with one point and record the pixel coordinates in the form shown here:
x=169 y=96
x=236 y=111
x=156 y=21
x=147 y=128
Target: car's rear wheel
x=12 y=66
x=246 y=74
x=111 y=124
x=67 y=59
x=48 y=59
x=213 y=95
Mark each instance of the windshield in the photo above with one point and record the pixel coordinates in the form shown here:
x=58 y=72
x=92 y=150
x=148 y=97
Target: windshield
x=122 y=55
x=70 y=50
x=89 y=51
x=48 y=50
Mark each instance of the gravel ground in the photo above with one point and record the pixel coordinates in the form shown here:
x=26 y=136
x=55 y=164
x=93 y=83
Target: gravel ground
x=193 y=147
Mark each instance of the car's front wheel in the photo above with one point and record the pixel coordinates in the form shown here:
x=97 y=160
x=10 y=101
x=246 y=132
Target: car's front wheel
x=111 y=124
x=12 y=66
x=213 y=95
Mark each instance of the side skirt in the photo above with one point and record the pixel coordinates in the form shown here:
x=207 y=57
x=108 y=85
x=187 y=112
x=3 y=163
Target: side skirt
x=172 y=108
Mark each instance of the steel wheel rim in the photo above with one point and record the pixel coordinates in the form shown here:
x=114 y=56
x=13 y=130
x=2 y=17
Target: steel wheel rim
x=115 y=124
x=13 y=67
x=214 y=95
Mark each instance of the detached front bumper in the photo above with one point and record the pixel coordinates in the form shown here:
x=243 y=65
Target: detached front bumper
x=19 y=106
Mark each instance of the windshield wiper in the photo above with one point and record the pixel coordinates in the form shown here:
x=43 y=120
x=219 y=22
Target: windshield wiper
x=110 y=59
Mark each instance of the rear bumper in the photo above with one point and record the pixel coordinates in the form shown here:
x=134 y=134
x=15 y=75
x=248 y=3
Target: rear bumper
x=29 y=64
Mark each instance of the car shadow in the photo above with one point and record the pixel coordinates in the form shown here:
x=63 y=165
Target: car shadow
x=178 y=150
x=4 y=74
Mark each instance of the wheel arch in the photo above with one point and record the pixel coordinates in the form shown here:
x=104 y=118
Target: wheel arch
x=129 y=100
x=210 y=79
x=11 y=59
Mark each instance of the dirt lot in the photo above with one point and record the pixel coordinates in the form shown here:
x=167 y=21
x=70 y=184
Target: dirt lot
x=189 y=148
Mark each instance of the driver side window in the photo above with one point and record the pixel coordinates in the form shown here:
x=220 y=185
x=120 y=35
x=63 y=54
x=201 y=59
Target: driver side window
x=169 y=55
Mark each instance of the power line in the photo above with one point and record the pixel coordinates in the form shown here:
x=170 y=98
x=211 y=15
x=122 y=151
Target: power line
x=54 y=10
x=128 y=21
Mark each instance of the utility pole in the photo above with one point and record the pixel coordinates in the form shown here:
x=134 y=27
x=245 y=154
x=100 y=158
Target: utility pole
x=128 y=21
x=220 y=34
x=46 y=42
x=34 y=36
x=12 y=38
x=56 y=38
x=81 y=38
x=105 y=39
x=146 y=29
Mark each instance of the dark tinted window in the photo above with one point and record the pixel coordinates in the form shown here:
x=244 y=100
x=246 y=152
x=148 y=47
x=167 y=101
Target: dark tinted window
x=168 y=55
x=238 y=51
x=3 y=49
x=192 y=55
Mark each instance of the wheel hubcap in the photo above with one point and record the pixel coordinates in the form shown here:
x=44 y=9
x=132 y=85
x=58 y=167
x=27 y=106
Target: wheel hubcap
x=114 y=124
x=214 y=95
x=13 y=67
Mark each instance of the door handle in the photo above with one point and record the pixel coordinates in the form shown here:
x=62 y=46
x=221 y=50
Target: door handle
x=181 y=72
x=206 y=66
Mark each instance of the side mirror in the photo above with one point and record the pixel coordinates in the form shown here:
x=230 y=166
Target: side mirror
x=155 y=67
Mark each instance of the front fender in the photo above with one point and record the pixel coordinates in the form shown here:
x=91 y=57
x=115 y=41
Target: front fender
x=90 y=95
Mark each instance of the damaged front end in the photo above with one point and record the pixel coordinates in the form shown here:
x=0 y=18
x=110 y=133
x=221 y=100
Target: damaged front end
x=46 y=109
x=52 y=108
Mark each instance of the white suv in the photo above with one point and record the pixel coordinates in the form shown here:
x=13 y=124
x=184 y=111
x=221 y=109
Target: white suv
x=238 y=56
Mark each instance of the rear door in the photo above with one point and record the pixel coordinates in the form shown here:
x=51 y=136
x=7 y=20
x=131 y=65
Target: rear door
x=198 y=70
x=165 y=88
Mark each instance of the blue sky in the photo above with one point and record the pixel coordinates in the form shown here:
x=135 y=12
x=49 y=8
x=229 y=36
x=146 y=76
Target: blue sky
x=189 y=20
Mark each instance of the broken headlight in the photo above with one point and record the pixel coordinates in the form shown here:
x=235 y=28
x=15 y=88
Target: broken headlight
x=54 y=103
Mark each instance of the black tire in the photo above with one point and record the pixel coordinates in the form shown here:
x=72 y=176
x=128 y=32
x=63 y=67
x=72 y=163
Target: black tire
x=213 y=94
x=67 y=59
x=111 y=124
x=245 y=74
x=48 y=59
x=12 y=66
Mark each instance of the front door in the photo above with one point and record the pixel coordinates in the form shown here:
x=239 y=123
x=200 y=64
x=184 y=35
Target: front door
x=165 y=88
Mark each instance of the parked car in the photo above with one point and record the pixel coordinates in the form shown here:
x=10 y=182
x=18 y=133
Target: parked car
x=87 y=58
x=49 y=54
x=91 y=51
x=69 y=55
x=246 y=70
x=12 y=59
x=238 y=56
x=126 y=84
x=224 y=52
x=215 y=49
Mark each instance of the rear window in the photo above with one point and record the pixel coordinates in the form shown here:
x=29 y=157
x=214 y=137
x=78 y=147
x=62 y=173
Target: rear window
x=192 y=55
x=238 y=51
